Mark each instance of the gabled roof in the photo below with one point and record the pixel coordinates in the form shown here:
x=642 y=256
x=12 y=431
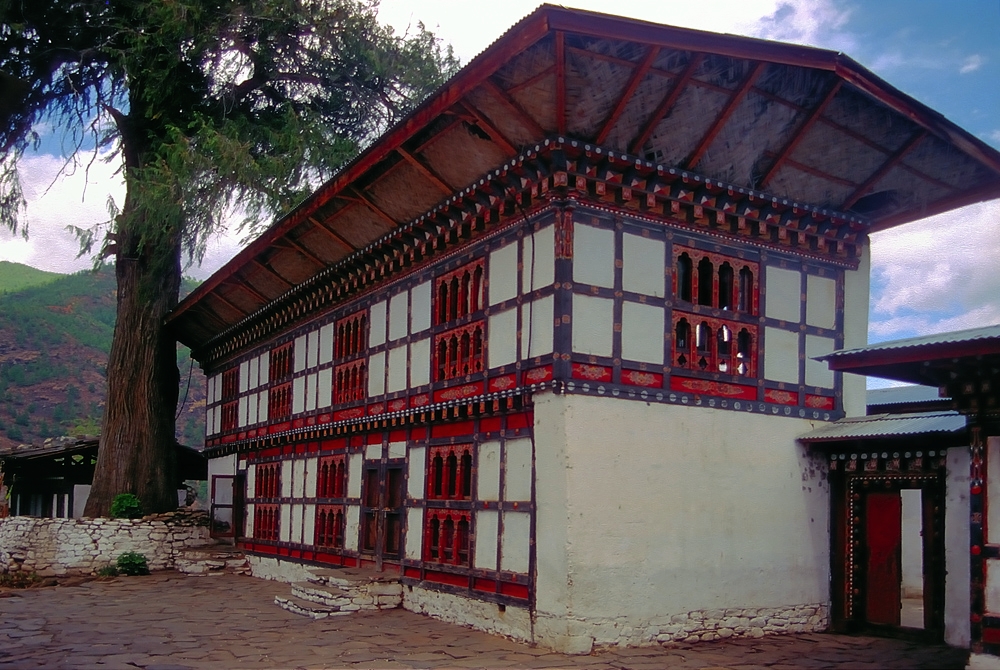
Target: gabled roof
x=902 y=395
x=883 y=426
x=804 y=126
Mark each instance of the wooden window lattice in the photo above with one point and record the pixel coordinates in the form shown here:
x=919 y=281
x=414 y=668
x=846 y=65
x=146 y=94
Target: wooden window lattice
x=715 y=280
x=459 y=292
x=281 y=362
x=229 y=416
x=449 y=473
x=279 y=402
x=459 y=352
x=352 y=335
x=714 y=345
x=265 y=522
x=230 y=383
x=446 y=536
x=329 y=531
x=267 y=481
x=331 y=477
x=351 y=382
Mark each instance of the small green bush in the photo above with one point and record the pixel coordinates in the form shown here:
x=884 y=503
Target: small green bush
x=108 y=571
x=19 y=580
x=126 y=506
x=132 y=563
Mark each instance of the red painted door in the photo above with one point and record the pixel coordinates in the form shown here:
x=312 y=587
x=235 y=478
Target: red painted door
x=883 y=535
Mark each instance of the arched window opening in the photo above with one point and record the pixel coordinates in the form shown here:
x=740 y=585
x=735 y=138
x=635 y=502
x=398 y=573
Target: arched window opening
x=746 y=290
x=724 y=347
x=463 y=542
x=448 y=536
x=684 y=277
x=466 y=475
x=726 y=286
x=452 y=465
x=466 y=354
x=442 y=302
x=466 y=302
x=453 y=301
x=744 y=344
x=437 y=467
x=703 y=344
x=435 y=539
x=705 y=278
x=477 y=289
x=682 y=341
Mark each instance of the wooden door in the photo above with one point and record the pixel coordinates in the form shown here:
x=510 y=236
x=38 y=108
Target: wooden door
x=222 y=507
x=883 y=537
x=382 y=510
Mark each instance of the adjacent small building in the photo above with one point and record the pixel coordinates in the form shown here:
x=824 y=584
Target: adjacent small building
x=544 y=350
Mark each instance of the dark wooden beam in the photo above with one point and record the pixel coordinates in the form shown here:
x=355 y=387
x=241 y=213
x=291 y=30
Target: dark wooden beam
x=333 y=235
x=638 y=73
x=799 y=133
x=883 y=169
x=295 y=246
x=802 y=167
x=666 y=103
x=358 y=197
x=560 y=82
x=271 y=272
x=427 y=173
x=720 y=121
x=498 y=138
x=514 y=108
x=243 y=313
x=533 y=79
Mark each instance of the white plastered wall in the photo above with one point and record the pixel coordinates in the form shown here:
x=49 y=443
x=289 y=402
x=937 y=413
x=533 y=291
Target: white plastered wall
x=956 y=552
x=856 y=294
x=648 y=512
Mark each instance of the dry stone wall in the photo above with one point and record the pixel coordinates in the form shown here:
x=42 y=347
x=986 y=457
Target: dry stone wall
x=57 y=547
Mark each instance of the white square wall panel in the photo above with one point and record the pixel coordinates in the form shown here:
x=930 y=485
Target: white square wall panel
x=376 y=327
x=643 y=265
x=502 y=338
x=537 y=326
x=254 y=369
x=312 y=349
x=420 y=308
x=514 y=551
x=414 y=533
x=783 y=299
x=310 y=392
x=642 y=332
x=517 y=478
x=397 y=369
x=398 y=315
x=593 y=255
x=324 y=388
x=486 y=526
x=376 y=374
x=539 y=260
x=416 y=471
x=503 y=274
x=821 y=301
x=781 y=355
x=326 y=344
x=420 y=363
x=300 y=353
x=298 y=395
x=818 y=373
x=593 y=325
x=265 y=367
x=244 y=375
x=488 y=471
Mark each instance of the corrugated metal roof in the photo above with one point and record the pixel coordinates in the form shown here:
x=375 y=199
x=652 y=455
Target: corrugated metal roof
x=899 y=395
x=887 y=425
x=954 y=337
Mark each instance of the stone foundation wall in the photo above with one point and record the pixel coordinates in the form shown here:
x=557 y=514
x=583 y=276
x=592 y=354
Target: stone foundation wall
x=57 y=547
x=512 y=622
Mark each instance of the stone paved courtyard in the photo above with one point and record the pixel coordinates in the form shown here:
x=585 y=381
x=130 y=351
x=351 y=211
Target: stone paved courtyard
x=171 y=621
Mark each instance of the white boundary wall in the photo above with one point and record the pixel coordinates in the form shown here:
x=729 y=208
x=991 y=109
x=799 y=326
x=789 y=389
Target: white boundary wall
x=659 y=522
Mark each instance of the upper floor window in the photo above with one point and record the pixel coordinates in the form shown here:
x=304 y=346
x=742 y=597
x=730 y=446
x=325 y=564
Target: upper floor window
x=459 y=292
x=714 y=345
x=281 y=362
x=459 y=352
x=352 y=335
x=714 y=280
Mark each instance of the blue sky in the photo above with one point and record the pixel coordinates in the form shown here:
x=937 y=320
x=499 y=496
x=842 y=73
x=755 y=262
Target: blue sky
x=930 y=276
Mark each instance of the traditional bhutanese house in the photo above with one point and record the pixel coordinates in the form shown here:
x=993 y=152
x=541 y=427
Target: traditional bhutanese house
x=871 y=482
x=545 y=347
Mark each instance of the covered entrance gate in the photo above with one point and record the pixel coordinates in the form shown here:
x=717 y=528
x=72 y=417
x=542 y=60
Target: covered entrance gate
x=887 y=544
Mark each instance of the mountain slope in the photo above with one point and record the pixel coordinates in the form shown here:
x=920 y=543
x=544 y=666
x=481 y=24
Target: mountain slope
x=54 y=343
x=16 y=276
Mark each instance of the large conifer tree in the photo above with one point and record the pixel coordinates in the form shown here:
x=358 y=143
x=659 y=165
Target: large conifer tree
x=210 y=106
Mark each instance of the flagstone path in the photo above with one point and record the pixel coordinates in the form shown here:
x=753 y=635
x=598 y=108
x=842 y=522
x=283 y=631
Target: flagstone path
x=169 y=621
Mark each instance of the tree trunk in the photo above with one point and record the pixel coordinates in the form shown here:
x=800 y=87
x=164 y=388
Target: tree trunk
x=137 y=448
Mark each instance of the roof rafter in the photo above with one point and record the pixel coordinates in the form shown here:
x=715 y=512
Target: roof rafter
x=666 y=103
x=883 y=169
x=256 y=261
x=239 y=310
x=720 y=121
x=498 y=137
x=244 y=285
x=357 y=197
x=425 y=171
x=800 y=132
x=637 y=76
x=332 y=234
x=287 y=239
x=513 y=107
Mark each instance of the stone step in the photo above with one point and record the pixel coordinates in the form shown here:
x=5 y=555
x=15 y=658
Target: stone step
x=211 y=560
x=346 y=578
x=307 y=608
x=323 y=594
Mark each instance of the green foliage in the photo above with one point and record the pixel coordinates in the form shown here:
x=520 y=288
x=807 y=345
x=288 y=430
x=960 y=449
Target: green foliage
x=126 y=506
x=132 y=563
x=108 y=570
x=15 y=277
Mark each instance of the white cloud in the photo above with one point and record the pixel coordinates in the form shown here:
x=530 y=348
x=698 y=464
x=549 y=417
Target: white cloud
x=937 y=274
x=994 y=137
x=971 y=64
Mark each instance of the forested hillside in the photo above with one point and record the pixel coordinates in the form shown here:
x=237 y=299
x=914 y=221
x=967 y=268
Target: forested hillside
x=54 y=342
